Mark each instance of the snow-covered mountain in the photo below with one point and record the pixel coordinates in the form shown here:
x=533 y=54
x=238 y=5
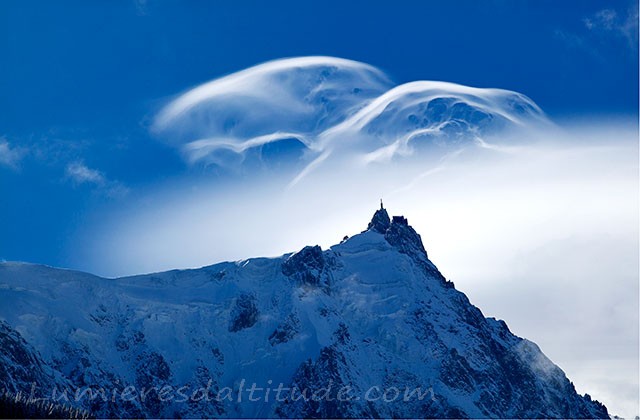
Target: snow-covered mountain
x=367 y=328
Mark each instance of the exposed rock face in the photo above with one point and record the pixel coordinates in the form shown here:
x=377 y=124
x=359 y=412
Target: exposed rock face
x=310 y=266
x=368 y=328
x=380 y=221
x=20 y=364
x=285 y=331
x=405 y=239
x=244 y=314
x=326 y=371
x=305 y=266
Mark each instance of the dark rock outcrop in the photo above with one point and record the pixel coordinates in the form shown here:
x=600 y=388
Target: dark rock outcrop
x=310 y=267
x=285 y=331
x=21 y=366
x=244 y=313
x=380 y=221
x=305 y=266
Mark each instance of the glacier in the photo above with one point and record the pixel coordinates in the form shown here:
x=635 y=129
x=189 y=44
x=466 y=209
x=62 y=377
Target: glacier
x=360 y=326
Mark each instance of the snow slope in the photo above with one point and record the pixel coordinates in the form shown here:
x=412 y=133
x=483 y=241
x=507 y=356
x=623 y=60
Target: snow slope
x=371 y=314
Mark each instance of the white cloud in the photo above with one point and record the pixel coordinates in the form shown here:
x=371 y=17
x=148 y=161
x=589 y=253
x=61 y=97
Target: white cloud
x=630 y=26
x=79 y=174
x=274 y=101
x=619 y=23
x=603 y=19
x=601 y=29
x=10 y=156
x=335 y=109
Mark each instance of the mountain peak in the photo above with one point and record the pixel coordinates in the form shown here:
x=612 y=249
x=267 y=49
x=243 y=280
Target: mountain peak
x=380 y=221
x=398 y=233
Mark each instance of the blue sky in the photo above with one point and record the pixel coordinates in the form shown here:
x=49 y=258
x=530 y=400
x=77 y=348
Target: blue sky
x=81 y=82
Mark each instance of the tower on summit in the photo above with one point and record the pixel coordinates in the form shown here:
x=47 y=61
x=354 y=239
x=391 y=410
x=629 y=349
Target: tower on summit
x=381 y=206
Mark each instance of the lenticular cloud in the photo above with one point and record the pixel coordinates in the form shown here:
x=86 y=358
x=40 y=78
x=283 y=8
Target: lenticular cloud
x=291 y=98
x=308 y=109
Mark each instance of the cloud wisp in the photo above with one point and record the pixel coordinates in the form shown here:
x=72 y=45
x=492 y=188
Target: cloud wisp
x=80 y=174
x=603 y=29
x=10 y=156
x=609 y=21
